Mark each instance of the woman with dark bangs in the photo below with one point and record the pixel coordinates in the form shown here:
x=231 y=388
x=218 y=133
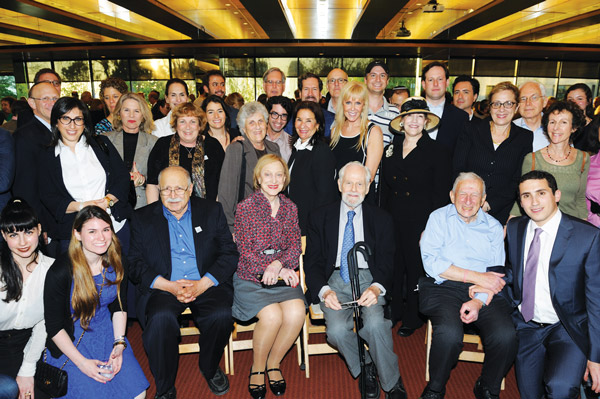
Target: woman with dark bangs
x=23 y=272
x=84 y=301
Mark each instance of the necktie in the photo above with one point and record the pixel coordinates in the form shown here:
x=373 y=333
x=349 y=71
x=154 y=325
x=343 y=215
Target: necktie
x=347 y=245
x=529 y=277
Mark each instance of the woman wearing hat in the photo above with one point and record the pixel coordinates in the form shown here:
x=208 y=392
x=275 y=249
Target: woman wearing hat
x=415 y=180
x=495 y=150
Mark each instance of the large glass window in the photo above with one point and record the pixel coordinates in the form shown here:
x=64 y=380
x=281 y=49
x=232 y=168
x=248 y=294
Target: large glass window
x=245 y=86
x=102 y=69
x=318 y=66
x=147 y=69
x=237 y=67
x=565 y=83
x=183 y=68
x=289 y=66
x=487 y=83
x=34 y=67
x=8 y=86
x=549 y=83
x=356 y=66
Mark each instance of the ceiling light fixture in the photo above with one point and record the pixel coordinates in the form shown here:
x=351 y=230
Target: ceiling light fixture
x=403 y=32
x=433 y=6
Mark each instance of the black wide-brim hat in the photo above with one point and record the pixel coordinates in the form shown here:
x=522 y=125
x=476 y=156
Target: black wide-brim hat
x=415 y=105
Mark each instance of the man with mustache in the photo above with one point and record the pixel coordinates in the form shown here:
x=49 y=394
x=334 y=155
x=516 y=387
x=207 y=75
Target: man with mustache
x=332 y=232
x=182 y=255
x=310 y=86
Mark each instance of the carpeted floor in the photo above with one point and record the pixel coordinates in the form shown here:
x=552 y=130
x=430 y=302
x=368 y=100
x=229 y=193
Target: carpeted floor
x=329 y=379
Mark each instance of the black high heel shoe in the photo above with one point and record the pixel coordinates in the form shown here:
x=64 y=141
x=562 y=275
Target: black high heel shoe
x=277 y=387
x=257 y=391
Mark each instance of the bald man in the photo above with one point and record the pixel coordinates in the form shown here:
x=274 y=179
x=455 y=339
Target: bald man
x=336 y=80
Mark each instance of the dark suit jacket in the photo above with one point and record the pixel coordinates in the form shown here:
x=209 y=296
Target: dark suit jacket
x=322 y=244
x=500 y=168
x=312 y=180
x=56 y=198
x=7 y=166
x=31 y=141
x=451 y=125
x=150 y=250
x=574 y=279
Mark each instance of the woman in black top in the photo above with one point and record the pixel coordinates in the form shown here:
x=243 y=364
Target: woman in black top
x=312 y=165
x=415 y=180
x=495 y=150
x=201 y=156
x=581 y=94
x=218 y=123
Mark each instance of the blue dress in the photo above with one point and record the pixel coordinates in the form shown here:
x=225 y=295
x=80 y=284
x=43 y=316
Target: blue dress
x=97 y=343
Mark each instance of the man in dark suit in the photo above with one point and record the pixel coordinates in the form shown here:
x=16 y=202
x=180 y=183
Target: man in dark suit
x=435 y=81
x=554 y=286
x=332 y=232
x=182 y=255
x=31 y=141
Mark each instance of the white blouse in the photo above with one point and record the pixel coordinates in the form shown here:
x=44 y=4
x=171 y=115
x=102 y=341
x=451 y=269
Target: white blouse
x=28 y=312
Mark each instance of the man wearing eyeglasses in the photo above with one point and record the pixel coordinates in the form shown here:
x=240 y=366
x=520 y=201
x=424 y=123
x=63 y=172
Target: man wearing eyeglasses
x=435 y=81
x=182 y=255
x=31 y=140
x=274 y=82
x=532 y=101
x=336 y=80
x=213 y=83
x=280 y=110
x=377 y=76
x=46 y=75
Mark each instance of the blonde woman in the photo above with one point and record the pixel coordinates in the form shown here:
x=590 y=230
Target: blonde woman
x=84 y=301
x=353 y=137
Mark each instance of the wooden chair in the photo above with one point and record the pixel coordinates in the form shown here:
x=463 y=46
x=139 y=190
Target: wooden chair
x=194 y=347
x=314 y=313
x=467 y=356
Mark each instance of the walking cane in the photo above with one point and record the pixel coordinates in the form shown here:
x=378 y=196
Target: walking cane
x=364 y=249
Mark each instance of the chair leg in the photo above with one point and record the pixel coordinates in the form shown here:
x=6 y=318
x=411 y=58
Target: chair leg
x=226 y=358
x=230 y=354
x=428 y=335
x=305 y=344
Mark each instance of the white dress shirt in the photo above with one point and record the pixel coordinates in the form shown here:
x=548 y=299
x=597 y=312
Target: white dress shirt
x=438 y=110
x=28 y=312
x=162 y=127
x=83 y=174
x=543 y=311
x=359 y=235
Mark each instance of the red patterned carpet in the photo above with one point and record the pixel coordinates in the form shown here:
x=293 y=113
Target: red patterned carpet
x=329 y=377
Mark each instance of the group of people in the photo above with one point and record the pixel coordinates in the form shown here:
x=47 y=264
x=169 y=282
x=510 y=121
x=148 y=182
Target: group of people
x=205 y=208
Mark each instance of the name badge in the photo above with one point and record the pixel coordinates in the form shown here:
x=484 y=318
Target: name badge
x=198 y=229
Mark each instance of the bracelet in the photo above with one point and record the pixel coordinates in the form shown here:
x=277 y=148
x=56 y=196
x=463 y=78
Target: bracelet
x=120 y=342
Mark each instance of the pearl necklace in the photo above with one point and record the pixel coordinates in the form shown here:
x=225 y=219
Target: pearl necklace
x=558 y=160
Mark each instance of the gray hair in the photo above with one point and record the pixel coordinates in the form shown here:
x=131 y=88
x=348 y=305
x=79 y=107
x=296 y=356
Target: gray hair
x=356 y=163
x=180 y=169
x=274 y=69
x=249 y=109
x=468 y=176
x=535 y=82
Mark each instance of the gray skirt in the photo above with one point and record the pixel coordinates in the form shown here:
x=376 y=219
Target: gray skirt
x=249 y=297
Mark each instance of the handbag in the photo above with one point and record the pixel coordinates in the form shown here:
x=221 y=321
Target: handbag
x=50 y=379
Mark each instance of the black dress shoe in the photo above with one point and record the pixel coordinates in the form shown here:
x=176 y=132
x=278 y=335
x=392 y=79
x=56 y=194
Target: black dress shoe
x=170 y=394
x=219 y=384
x=481 y=391
x=405 y=331
x=398 y=391
x=429 y=394
x=277 y=387
x=257 y=391
x=371 y=384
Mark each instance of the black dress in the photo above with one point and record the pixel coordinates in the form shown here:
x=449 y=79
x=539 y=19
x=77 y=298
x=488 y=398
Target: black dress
x=213 y=160
x=500 y=168
x=411 y=188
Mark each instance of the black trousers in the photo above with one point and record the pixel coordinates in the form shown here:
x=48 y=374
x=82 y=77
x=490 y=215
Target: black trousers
x=211 y=313
x=442 y=303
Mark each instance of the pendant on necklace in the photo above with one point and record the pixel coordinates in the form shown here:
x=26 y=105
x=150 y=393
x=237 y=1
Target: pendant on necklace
x=189 y=155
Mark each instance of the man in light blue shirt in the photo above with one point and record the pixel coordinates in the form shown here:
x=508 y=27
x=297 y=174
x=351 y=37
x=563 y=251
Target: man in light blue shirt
x=458 y=247
x=532 y=101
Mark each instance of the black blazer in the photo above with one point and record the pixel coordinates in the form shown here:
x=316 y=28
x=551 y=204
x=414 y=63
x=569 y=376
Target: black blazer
x=56 y=198
x=150 y=250
x=31 y=141
x=312 y=180
x=500 y=168
x=573 y=276
x=413 y=187
x=57 y=301
x=451 y=125
x=322 y=244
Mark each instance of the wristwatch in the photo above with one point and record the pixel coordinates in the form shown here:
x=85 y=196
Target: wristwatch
x=109 y=201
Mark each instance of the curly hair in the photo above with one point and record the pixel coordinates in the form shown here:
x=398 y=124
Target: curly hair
x=188 y=109
x=578 y=118
x=116 y=83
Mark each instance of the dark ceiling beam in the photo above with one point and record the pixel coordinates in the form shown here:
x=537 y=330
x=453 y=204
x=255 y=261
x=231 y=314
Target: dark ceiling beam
x=375 y=17
x=63 y=17
x=482 y=16
x=10 y=43
x=567 y=24
x=35 y=34
x=164 y=16
x=270 y=17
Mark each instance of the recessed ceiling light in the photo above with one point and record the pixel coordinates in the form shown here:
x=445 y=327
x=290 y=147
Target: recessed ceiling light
x=227 y=5
x=245 y=23
x=235 y=13
x=410 y=12
x=321 y=53
x=102 y=56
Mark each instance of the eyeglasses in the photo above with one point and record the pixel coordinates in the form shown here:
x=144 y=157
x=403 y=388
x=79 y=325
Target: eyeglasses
x=533 y=99
x=274 y=82
x=54 y=82
x=275 y=115
x=506 y=104
x=65 y=120
x=176 y=190
x=338 y=81
x=45 y=99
